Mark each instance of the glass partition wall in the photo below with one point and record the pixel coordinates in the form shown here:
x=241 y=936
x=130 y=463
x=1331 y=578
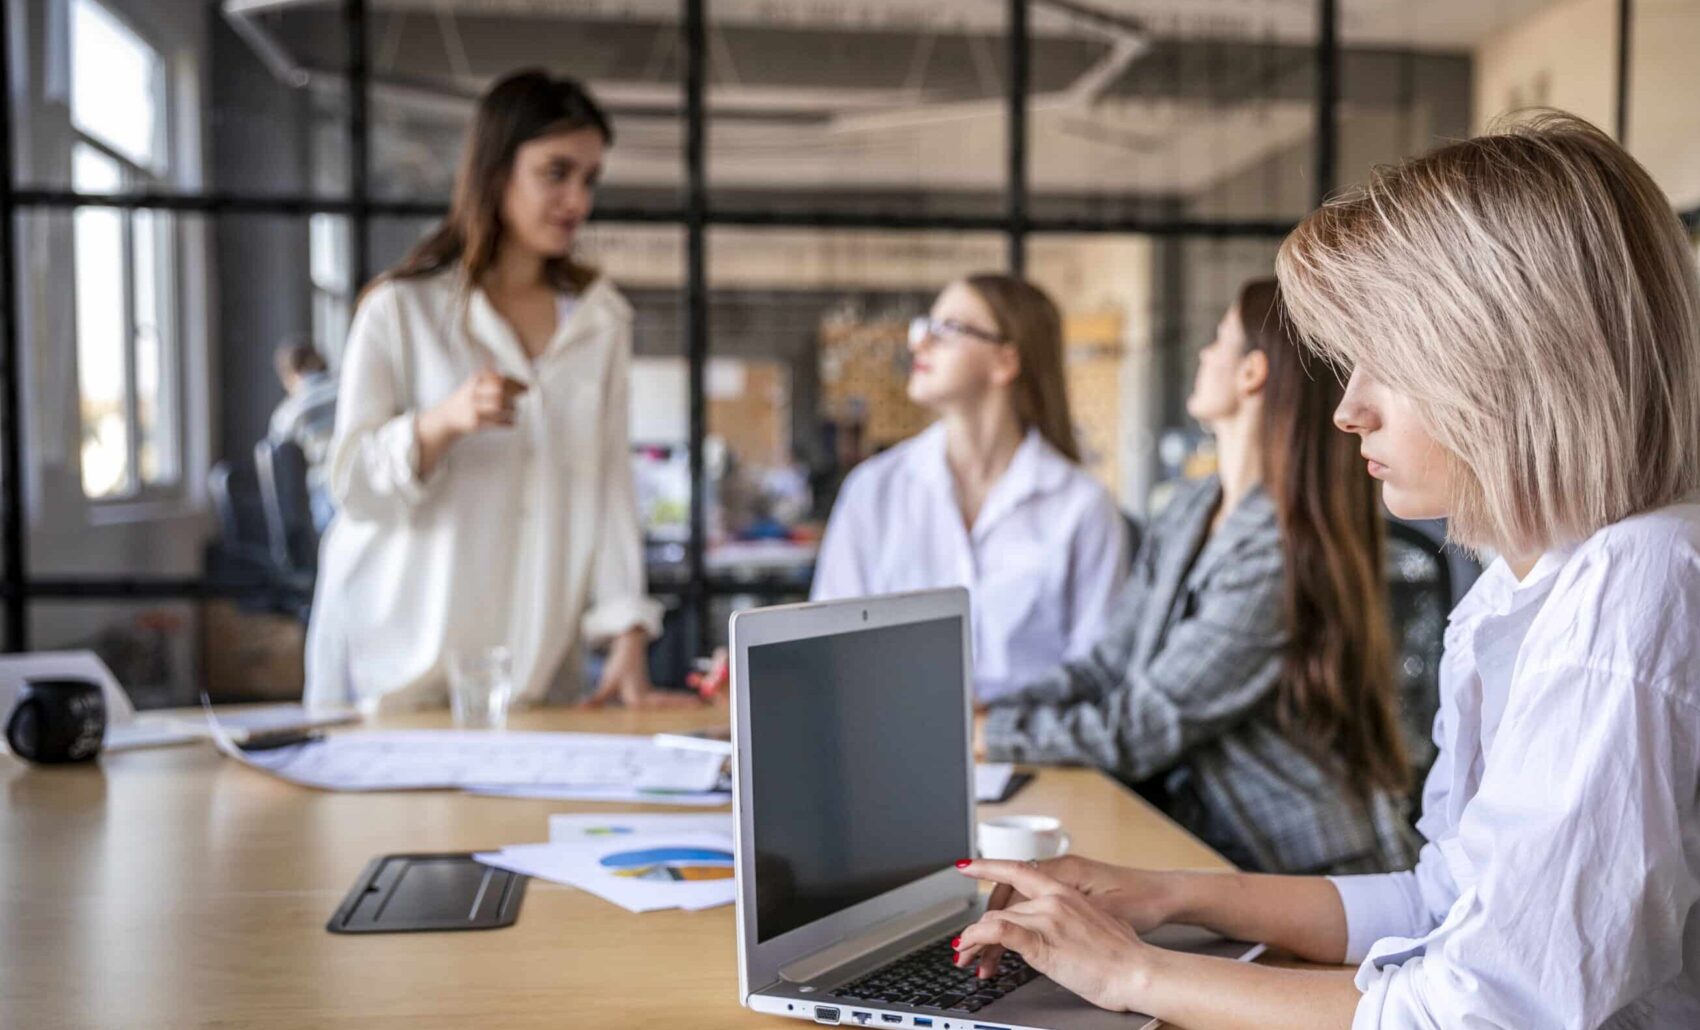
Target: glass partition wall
x=191 y=184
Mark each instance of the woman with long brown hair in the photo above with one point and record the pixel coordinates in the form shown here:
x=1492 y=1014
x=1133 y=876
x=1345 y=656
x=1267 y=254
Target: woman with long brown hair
x=992 y=496
x=480 y=461
x=1246 y=679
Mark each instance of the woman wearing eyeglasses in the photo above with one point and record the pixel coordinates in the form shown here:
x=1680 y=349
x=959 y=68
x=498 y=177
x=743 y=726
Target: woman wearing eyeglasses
x=992 y=496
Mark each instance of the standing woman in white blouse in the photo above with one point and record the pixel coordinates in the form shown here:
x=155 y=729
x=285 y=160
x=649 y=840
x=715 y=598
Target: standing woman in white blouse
x=992 y=496
x=480 y=460
x=1520 y=314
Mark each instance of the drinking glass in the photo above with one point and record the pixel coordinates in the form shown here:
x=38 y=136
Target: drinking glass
x=481 y=683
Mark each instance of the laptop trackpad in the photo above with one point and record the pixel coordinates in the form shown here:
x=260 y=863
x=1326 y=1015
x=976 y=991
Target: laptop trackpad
x=1047 y=1004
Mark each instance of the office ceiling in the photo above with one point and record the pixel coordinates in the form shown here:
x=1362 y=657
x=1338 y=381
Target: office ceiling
x=1425 y=24
x=1156 y=97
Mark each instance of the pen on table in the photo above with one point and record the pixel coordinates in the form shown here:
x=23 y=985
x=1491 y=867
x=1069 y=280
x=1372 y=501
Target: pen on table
x=269 y=741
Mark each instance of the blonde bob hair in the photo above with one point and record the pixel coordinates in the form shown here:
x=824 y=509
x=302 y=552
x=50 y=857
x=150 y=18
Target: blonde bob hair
x=1534 y=296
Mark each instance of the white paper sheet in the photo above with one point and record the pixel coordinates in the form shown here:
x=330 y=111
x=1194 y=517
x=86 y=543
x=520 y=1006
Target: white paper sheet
x=149 y=731
x=615 y=795
x=257 y=719
x=427 y=759
x=990 y=779
x=572 y=827
x=640 y=872
x=693 y=742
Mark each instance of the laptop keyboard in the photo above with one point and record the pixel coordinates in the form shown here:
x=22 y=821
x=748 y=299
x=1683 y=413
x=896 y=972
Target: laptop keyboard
x=928 y=978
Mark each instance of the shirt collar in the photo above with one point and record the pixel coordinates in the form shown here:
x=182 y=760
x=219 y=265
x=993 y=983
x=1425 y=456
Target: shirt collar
x=1035 y=468
x=1499 y=590
x=1252 y=518
x=592 y=310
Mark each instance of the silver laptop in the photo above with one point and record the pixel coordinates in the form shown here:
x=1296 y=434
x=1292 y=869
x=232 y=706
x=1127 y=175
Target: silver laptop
x=854 y=797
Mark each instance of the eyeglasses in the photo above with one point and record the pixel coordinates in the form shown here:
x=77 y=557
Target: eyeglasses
x=946 y=330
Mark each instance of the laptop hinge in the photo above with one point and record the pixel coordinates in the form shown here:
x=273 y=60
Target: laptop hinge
x=814 y=966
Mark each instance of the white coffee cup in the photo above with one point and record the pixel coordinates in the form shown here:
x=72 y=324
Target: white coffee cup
x=1019 y=838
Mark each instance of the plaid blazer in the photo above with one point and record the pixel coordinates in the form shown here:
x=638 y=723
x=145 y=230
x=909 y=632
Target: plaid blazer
x=1179 y=695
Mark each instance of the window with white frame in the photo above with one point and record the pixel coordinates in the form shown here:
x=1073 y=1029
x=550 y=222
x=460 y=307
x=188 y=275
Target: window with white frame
x=333 y=305
x=125 y=263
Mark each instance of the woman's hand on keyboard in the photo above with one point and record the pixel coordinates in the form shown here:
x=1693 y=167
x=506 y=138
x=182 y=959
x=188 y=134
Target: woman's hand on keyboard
x=1061 y=931
x=1137 y=897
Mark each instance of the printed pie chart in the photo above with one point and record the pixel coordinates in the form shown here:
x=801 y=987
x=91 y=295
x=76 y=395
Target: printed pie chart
x=671 y=865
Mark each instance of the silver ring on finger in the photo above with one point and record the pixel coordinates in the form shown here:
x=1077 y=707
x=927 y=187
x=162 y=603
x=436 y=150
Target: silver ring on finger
x=1032 y=863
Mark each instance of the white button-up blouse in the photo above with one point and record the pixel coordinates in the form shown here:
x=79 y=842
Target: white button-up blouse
x=1561 y=876
x=1042 y=564
x=526 y=537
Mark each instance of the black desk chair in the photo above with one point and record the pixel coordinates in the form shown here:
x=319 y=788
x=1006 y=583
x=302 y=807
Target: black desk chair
x=242 y=544
x=291 y=537
x=1419 y=583
x=242 y=551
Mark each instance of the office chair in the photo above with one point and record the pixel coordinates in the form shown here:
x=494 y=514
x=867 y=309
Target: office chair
x=1419 y=585
x=243 y=545
x=292 y=540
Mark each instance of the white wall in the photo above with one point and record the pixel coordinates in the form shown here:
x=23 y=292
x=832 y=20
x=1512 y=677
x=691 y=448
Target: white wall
x=1564 y=56
x=1664 y=85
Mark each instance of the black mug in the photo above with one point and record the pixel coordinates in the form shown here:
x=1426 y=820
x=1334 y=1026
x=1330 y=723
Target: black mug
x=57 y=720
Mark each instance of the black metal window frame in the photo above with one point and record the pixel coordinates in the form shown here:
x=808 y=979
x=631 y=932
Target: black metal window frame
x=694 y=213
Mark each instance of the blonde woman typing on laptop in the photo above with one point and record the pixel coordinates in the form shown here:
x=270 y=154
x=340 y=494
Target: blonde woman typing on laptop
x=480 y=459
x=992 y=496
x=1245 y=679
x=1521 y=321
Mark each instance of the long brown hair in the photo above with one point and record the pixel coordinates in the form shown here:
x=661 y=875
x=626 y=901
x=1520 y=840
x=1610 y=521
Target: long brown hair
x=1336 y=696
x=524 y=106
x=1029 y=321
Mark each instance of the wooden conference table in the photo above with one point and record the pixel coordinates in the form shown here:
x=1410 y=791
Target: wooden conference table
x=175 y=888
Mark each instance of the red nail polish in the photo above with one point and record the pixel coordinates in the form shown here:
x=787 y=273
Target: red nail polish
x=962 y=863
x=956 y=942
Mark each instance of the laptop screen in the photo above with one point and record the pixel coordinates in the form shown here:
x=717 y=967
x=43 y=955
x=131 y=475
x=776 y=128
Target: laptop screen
x=862 y=782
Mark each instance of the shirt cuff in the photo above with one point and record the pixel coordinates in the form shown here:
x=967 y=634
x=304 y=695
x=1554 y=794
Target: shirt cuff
x=398 y=441
x=608 y=619
x=1377 y=906
x=1002 y=733
x=1375 y=983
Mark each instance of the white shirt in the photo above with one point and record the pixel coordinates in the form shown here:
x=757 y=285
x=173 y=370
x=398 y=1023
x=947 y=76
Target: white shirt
x=1042 y=564
x=526 y=536
x=1559 y=882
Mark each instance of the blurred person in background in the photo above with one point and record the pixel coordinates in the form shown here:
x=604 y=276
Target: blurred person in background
x=992 y=496
x=481 y=461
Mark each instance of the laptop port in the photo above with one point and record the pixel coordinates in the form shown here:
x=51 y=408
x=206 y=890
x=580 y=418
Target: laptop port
x=923 y=1021
x=864 y=1018
x=891 y=1019
x=826 y=1014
